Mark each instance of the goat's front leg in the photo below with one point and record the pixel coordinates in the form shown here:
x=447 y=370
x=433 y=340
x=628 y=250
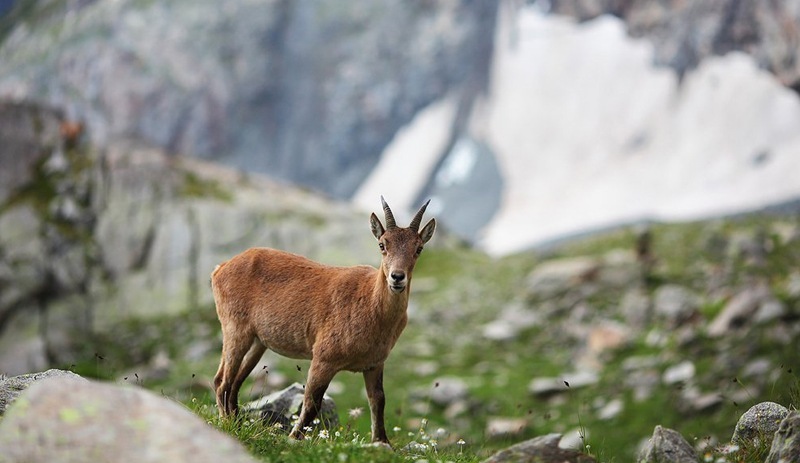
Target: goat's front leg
x=320 y=375
x=373 y=380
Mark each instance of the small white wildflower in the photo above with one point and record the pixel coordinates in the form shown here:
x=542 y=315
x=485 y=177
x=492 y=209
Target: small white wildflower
x=461 y=442
x=396 y=429
x=441 y=432
x=415 y=446
x=277 y=426
x=307 y=429
x=355 y=412
x=323 y=434
x=424 y=422
x=316 y=421
x=337 y=434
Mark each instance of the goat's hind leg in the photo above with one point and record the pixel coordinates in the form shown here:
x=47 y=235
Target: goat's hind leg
x=252 y=357
x=235 y=346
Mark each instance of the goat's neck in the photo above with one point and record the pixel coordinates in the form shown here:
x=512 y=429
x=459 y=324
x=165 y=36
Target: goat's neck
x=392 y=304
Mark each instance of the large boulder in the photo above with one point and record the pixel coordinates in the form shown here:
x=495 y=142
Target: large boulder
x=61 y=419
x=786 y=444
x=740 y=309
x=283 y=407
x=11 y=388
x=759 y=423
x=667 y=446
x=542 y=449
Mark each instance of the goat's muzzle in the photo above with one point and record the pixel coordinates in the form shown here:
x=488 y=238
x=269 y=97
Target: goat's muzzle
x=397 y=282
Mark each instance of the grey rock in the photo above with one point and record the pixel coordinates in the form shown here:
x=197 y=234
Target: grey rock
x=141 y=245
x=675 y=304
x=668 y=445
x=69 y=420
x=542 y=449
x=759 y=423
x=611 y=410
x=635 y=306
x=770 y=310
x=512 y=319
x=271 y=85
x=739 y=309
x=280 y=407
x=680 y=373
x=447 y=390
x=11 y=388
x=792 y=285
x=620 y=269
x=757 y=368
x=504 y=427
x=701 y=402
x=786 y=444
x=685 y=34
x=554 y=277
x=552 y=385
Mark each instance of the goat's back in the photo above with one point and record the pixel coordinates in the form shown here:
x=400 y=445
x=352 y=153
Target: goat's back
x=283 y=298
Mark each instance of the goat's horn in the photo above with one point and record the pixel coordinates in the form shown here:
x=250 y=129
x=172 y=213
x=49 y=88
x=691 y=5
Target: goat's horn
x=418 y=218
x=390 y=223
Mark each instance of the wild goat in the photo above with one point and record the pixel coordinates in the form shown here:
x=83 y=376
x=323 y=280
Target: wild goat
x=342 y=318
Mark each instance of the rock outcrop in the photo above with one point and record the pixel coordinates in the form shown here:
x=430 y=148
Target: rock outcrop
x=668 y=446
x=66 y=420
x=543 y=449
x=306 y=92
x=507 y=115
x=283 y=407
x=685 y=33
x=11 y=388
x=93 y=235
x=758 y=424
x=786 y=444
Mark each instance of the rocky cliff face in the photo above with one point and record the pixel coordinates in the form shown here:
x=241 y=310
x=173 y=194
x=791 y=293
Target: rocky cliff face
x=307 y=92
x=495 y=109
x=684 y=33
x=92 y=236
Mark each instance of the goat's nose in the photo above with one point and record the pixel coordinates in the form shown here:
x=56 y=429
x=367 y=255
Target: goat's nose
x=398 y=276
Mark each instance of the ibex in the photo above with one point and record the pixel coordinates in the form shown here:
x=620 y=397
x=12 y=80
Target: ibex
x=341 y=318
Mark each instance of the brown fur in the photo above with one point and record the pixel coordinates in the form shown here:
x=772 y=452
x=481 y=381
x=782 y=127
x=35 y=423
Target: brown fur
x=342 y=318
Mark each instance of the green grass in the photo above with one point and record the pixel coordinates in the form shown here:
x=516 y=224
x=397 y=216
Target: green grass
x=342 y=444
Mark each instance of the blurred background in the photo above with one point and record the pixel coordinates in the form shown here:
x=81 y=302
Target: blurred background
x=143 y=142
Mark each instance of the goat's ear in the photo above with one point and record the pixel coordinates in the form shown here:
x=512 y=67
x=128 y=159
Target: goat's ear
x=427 y=231
x=377 y=227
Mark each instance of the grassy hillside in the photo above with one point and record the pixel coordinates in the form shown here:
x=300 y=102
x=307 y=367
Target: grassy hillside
x=447 y=345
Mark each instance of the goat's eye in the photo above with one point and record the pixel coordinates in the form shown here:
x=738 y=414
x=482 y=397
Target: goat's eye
x=382 y=246
x=419 y=250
